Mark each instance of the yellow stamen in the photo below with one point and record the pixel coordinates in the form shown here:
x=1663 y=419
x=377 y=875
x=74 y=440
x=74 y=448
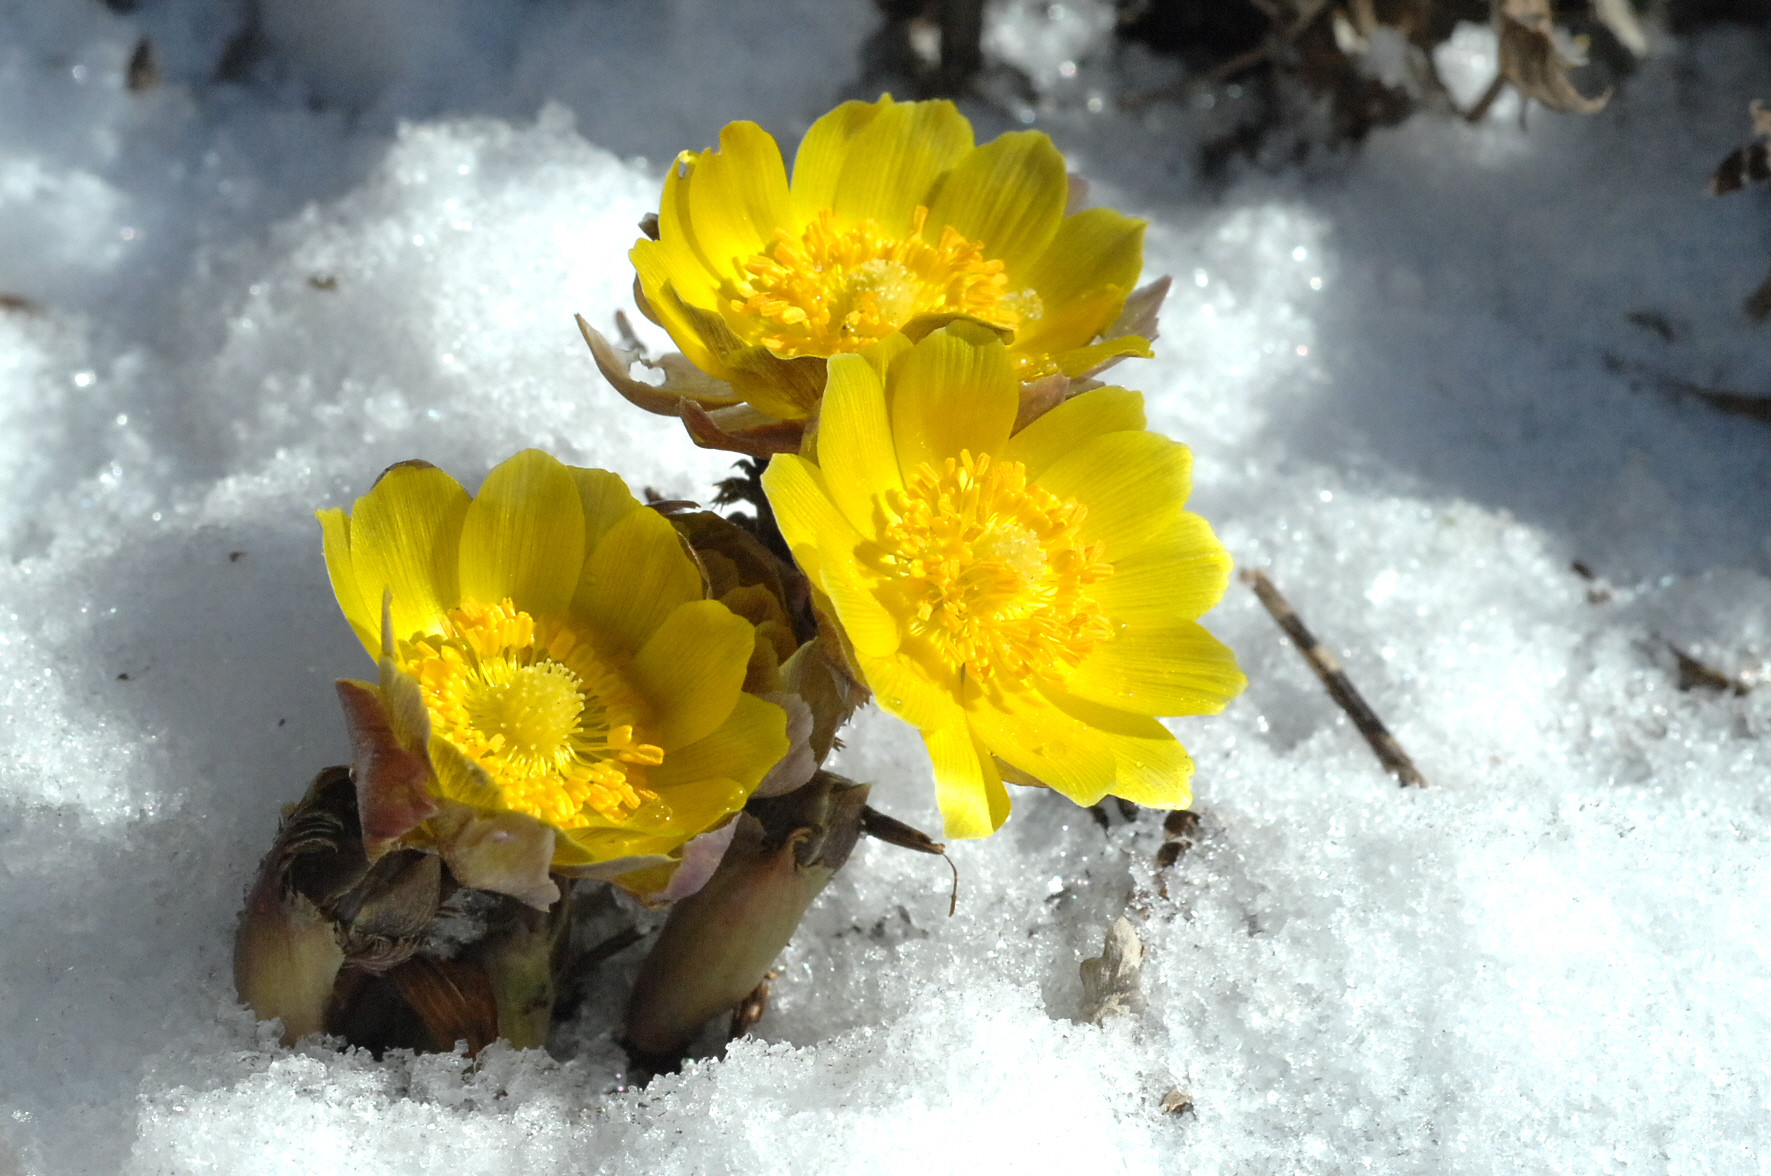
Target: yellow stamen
x=832 y=290
x=995 y=570
x=537 y=710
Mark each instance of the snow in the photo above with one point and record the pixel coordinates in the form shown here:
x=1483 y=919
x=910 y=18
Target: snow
x=1415 y=396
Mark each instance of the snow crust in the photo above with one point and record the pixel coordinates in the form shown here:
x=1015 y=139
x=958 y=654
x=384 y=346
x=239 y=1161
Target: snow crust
x=1415 y=395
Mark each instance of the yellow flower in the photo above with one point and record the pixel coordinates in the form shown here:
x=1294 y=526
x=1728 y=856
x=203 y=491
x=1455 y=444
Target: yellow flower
x=1029 y=600
x=893 y=221
x=554 y=691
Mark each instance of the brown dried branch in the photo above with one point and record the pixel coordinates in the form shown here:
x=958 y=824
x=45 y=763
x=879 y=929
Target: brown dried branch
x=1531 y=61
x=1695 y=675
x=1334 y=679
x=1741 y=404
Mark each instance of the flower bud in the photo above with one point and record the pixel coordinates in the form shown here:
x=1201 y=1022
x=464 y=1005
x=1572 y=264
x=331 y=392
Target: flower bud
x=720 y=940
x=319 y=907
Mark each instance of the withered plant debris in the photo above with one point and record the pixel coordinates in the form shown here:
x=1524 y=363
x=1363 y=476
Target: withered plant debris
x=1177 y=837
x=1532 y=62
x=1334 y=679
x=1177 y=1102
x=1756 y=408
x=18 y=304
x=895 y=832
x=144 y=68
x=423 y=1004
x=1600 y=592
x=1750 y=164
x=1369 y=62
x=1695 y=675
x=1620 y=18
x=938 y=45
x=1110 y=984
x=322 y=281
x=1127 y=811
x=1651 y=320
x=244 y=47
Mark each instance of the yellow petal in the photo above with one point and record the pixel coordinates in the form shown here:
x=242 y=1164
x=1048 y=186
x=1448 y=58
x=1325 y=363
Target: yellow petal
x=1008 y=194
x=674 y=258
x=458 y=778
x=737 y=197
x=883 y=353
x=952 y=391
x=1177 y=670
x=1150 y=767
x=1083 y=360
x=973 y=801
x=588 y=845
x=824 y=545
x=855 y=443
x=1134 y=485
x=686 y=812
x=605 y=499
x=787 y=389
x=1095 y=256
x=523 y=537
x=743 y=749
x=870 y=625
x=637 y=576
x=404 y=538
x=691 y=669
x=1084 y=750
x=1074 y=423
x=1175 y=576
x=809 y=520
x=818 y=164
x=891 y=164
x=904 y=688
x=666 y=277
x=335 y=544
x=1062 y=327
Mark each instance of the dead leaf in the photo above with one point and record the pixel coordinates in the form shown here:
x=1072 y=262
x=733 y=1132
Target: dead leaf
x=1531 y=60
x=1750 y=164
x=1110 y=980
x=1620 y=18
x=144 y=68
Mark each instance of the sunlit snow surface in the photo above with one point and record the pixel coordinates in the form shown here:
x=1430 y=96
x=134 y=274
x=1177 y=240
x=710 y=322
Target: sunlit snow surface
x=1414 y=393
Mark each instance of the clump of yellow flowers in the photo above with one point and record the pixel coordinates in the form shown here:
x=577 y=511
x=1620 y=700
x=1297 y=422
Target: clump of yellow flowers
x=954 y=518
x=994 y=541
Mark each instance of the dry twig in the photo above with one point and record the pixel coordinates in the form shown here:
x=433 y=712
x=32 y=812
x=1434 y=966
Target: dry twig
x=1334 y=679
x=1283 y=35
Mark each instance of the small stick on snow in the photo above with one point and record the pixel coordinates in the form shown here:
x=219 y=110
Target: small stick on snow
x=1695 y=675
x=1335 y=680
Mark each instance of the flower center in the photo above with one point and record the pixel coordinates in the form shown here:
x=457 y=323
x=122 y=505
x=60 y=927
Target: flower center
x=529 y=702
x=834 y=290
x=995 y=569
